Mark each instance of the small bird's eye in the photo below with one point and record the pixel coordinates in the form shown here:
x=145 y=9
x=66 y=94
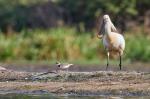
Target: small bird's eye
x=58 y=65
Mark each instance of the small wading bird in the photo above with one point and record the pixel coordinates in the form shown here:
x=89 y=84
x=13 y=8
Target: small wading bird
x=112 y=40
x=63 y=66
x=60 y=66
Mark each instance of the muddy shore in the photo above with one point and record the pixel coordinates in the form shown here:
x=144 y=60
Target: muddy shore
x=76 y=83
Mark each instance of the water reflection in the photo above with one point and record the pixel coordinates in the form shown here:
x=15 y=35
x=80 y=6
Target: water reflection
x=47 y=96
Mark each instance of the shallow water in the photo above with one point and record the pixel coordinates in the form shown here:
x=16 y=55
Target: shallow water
x=47 y=96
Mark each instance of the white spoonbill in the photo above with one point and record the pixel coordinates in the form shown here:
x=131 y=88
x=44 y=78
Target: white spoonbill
x=112 y=40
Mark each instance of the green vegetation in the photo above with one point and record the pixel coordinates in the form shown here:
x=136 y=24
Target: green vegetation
x=21 y=14
x=66 y=44
x=138 y=47
x=53 y=44
x=38 y=39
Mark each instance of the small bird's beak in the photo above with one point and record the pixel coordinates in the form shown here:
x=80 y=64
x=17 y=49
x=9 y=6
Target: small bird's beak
x=57 y=62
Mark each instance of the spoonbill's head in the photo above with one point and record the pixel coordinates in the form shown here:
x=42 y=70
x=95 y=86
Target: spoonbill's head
x=101 y=31
x=106 y=18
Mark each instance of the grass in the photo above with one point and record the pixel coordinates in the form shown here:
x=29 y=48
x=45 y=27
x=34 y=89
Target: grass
x=138 y=47
x=66 y=44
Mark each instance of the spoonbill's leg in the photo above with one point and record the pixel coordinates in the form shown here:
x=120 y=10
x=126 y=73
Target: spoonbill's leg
x=107 y=60
x=120 y=61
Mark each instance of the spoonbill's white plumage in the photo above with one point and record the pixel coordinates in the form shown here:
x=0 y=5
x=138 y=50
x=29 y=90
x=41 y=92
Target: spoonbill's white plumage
x=112 y=40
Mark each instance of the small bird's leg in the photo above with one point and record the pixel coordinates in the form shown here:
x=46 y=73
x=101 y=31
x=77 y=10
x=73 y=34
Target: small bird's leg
x=107 y=60
x=57 y=70
x=120 y=61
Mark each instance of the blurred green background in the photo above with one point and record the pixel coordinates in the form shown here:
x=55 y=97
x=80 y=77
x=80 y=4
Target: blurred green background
x=65 y=30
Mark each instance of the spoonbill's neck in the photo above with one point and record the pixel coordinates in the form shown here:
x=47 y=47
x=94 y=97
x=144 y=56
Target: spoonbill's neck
x=107 y=28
